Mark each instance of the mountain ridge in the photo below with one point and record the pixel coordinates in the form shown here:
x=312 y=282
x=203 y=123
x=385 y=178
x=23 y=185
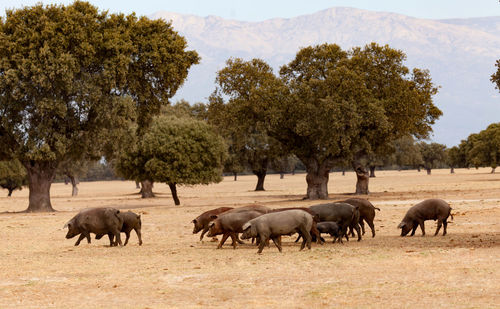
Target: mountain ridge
x=459 y=53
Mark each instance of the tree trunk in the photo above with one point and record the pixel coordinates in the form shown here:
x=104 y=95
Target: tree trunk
x=317 y=179
x=343 y=172
x=10 y=192
x=147 y=189
x=493 y=170
x=418 y=169
x=428 y=170
x=452 y=170
x=282 y=175
x=40 y=177
x=235 y=176
x=260 y=180
x=137 y=185
x=74 y=183
x=173 y=189
x=372 y=171
x=362 y=181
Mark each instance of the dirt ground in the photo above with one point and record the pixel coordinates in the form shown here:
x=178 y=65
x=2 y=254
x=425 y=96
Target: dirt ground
x=39 y=268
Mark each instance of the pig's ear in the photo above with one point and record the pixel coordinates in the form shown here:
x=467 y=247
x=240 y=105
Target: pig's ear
x=213 y=217
x=66 y=225
x=194 y=221
x=211 y=224
x=401 y=225
x=246 y=226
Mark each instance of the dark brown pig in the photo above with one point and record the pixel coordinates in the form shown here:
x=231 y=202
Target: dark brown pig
x=329 y=227
x=99 y=221
x=230 y=224
x=344 y=214
x=431 y=209
x=314 y=231
x=201 y=222
x=273 y=225
x=366 y=213
x=131 y=221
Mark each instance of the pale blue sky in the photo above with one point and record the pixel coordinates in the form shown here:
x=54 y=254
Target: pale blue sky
x=257 y=10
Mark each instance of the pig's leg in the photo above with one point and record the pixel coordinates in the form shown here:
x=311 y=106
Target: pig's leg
x=138 y=232
x=276 y=242
x=87 y=234
x=298 y=238
x=202 y=233
x=438 y=227
x=118 y=238
x=127 y=236
x=421 y=223
x=362 y=224
x=356 y=227
x=111 y=242
x=445 y=224
x=262 y=244
x=223 y=240
x=372 y=227
x=415 y=225
x=234 y=237
x=79 y=239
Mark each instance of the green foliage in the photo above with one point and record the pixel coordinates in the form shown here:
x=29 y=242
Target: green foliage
x=407 y=152
x=175 y=150
x=343 y=104
x=455 y=157
x=73 y=78
x=495 y=77
x=12 y=175
x=433 y=154
x=485 y=147
x=244 y=89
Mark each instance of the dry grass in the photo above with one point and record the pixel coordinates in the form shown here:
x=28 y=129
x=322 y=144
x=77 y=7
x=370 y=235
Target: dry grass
x=40 y=268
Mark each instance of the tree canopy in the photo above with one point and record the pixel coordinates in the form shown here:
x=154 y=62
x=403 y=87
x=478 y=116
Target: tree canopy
x=345 y=104
x=236 y=109
x=12 y=175
x=71 y=76
x=176 y=151
x=485 y=147
x=433 y=155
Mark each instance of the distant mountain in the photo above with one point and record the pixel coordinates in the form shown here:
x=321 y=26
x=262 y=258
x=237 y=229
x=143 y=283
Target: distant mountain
x=460 y=54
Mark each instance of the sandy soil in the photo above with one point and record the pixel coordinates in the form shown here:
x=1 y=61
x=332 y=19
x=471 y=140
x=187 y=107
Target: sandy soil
x=173 y=269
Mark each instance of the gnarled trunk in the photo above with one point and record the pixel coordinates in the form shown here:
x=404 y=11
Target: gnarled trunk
x=147 y=189
x=173 y=189
x=260 y=180
x=372 y=171
x=362 y=181
x=10 y=192
x=259 y=168
x=40 y=177
x=317 y=179
x=74 y=182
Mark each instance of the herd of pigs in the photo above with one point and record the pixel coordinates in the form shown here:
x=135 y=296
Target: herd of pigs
x=262 y=224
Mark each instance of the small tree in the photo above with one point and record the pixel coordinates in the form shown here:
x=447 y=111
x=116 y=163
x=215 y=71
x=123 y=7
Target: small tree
x=243 y=87
x=176 y=151
x=12 y=175
x=433 y=155
x=407 y=153
x=485 y=148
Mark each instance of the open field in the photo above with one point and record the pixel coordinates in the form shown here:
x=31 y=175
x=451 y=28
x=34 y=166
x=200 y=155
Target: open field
x=39 y=268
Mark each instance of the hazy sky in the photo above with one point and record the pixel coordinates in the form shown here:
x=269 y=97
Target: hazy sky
x=257 y=10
